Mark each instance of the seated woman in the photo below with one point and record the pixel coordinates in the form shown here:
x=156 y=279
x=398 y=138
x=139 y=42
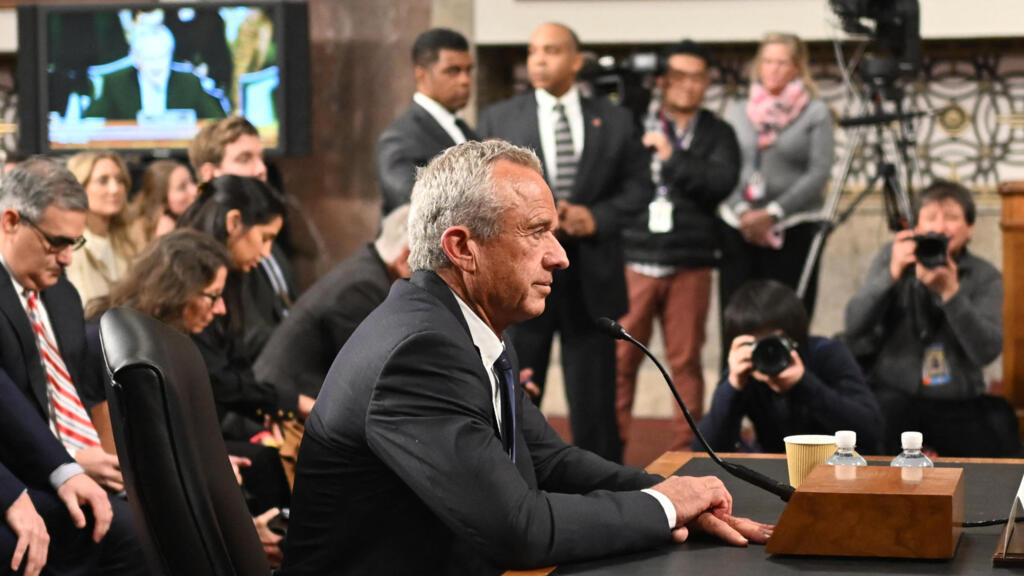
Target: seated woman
x=821 y=390
x=108 y=249
x=168 y=189
x=245 y=215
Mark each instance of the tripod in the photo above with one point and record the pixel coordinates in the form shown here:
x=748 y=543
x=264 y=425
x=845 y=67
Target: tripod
x=896 y=196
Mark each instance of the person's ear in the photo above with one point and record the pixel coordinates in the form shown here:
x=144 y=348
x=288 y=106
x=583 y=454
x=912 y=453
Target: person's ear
x=577 y=63
x=460 y=248
x=207 y=172
x=9 y=220
x=233 y=221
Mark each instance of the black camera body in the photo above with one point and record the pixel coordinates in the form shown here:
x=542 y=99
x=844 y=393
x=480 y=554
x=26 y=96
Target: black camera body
x=771 y=354
x=931 y=249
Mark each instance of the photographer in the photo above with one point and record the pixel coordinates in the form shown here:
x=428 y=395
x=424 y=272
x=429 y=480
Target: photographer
x=816 y=386
x=929 y=327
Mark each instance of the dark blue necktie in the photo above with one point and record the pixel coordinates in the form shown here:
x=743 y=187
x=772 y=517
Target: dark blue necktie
x=507 y=388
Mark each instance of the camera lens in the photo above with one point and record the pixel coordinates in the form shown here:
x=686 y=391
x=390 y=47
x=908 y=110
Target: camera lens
x=931 y=249
x=770 y=355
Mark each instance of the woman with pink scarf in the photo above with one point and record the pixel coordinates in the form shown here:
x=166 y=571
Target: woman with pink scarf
x=785 y=137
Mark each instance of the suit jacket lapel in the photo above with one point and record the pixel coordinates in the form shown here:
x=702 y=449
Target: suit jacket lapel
x=10 y=307
x=431 y=127
x=593 y=141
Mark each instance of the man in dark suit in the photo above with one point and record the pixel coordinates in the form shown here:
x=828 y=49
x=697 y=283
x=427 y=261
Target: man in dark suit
x=597 y=170
x=152 y=85
x=423 y=453
x=443 y=69
x=301 y=350
x=42 y=341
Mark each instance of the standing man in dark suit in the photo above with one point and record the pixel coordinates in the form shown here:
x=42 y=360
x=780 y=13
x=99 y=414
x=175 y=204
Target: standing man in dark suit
x=302 y=349
x=597 y=170
x=443 y=68
x=42 y=340
x=423 y=453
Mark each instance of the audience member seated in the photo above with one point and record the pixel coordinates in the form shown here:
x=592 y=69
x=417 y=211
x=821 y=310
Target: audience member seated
x=304 y=346
x=108 y=249
x=233 y=146
x=245 y=215
x=43 y=351
x=820 y=390
x=179 y=279
x=424 y=454
x=926 y=330
x=168 y=189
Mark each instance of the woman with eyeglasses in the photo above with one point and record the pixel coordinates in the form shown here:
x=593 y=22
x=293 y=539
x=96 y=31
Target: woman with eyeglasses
x=108 y=249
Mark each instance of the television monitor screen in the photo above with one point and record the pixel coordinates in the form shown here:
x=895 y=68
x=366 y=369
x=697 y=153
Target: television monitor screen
x=146 y=77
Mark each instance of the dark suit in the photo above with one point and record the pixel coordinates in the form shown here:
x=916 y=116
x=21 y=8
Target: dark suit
x=613 y=181
x=301 y=350
x=21 y=370
x=121 y=98
x=406 y=144
x=402 y=470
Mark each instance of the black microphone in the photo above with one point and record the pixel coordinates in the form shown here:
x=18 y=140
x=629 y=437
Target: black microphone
x=874 y=119
x=780 y=489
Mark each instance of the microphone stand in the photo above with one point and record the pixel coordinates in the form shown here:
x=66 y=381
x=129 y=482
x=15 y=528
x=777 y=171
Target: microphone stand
x=780 y=489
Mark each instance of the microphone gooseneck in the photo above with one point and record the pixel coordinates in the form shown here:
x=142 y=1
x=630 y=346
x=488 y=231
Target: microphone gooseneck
x=780 y=489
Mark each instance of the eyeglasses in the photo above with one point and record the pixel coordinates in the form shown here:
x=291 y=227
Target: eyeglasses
x=674 y=75
x=213 y=298
x=55 y=244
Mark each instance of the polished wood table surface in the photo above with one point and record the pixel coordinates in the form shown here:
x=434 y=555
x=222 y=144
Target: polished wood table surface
x=977 y=542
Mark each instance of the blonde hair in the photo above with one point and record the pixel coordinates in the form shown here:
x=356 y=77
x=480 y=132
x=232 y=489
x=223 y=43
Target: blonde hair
x=82 y=166
x=798 y=52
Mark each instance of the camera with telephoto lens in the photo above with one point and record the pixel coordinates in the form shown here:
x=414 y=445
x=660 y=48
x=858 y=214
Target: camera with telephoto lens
x=931 y=249
x=771 y=354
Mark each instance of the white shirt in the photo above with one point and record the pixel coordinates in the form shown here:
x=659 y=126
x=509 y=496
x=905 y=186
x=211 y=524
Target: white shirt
x=438 y=112
x=154 y=98
x=62 y=473
x=546 y=119
x=490 y=347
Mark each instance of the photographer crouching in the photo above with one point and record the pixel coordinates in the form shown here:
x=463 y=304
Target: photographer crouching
x=785 y=381
x=926 y=321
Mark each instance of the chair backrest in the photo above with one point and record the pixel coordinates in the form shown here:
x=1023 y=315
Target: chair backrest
x=189 y=510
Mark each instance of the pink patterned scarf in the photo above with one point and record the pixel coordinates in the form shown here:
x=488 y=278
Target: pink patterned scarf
x=770 y=114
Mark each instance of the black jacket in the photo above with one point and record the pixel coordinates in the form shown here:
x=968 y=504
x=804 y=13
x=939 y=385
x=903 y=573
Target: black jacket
x=697 y=179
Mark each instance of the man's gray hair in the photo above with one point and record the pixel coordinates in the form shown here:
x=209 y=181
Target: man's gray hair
x=456 y=189
x=33 y=185
x=394 y=234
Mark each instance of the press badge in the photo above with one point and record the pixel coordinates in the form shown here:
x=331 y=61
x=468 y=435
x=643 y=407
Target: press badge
x=935 y=367
x=659 y=214
x=755 y=187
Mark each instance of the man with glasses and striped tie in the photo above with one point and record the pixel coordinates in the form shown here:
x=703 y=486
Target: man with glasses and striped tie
x=43 y=354
x=596 y=168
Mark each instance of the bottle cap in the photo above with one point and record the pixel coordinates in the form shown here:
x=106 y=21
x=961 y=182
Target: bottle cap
x=846 y=439
x=911 y=440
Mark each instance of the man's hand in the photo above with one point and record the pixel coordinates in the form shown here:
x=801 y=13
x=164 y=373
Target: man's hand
x=756 y=227
x=784 y=381
x=659 y=142
x=33 y=539
x=731 y=529
x=903 y=247
x=575 y=219
x=526 y=380
x=271 y=541
x=79 y=490
x=740 y=364
x=237 y=463
x=943 y=280
x=101 y=467
x=693 y=496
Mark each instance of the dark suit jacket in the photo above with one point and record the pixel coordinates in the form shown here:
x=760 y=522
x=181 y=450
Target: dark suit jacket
x=121 y=98
x=613 y=180
x=402 y=470
x=302 y=348
x=408 y=143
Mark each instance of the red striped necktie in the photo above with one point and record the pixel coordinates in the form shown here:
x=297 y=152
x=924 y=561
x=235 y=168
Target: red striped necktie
x=74 y=429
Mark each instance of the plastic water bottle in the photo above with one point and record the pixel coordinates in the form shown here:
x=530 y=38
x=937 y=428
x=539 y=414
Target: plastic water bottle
x=912 y=457
x=846 y=440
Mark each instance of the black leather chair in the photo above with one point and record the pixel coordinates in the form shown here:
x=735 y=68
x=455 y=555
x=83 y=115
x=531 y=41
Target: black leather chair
x=190 y=512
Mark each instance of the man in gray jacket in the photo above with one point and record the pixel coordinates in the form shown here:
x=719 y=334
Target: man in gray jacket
x=931 y=330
